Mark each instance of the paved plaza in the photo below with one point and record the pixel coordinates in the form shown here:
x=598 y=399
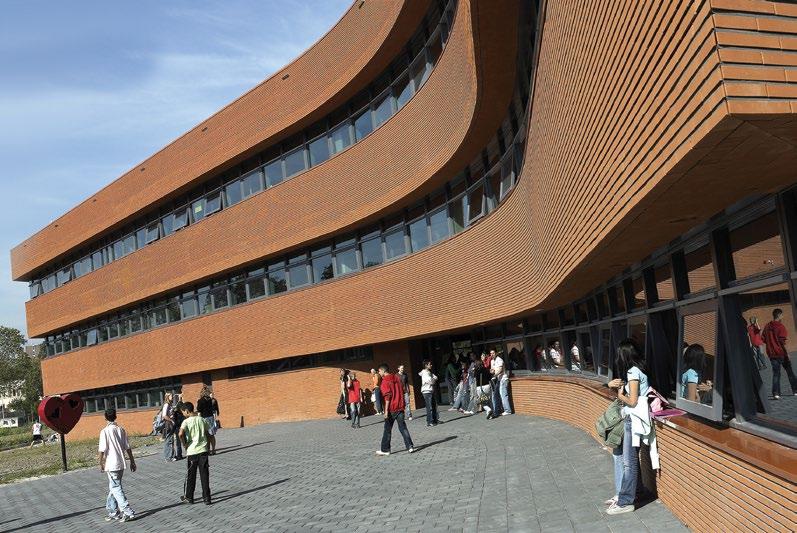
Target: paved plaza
x=517 y=473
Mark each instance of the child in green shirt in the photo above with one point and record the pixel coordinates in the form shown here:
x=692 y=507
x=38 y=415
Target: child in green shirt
x=194 y=437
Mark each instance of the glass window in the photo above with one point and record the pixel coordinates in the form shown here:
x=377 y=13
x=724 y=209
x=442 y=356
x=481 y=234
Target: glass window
x=383 y=109
x=402 y=88
x=276 y=281
x=218 y=294
x=475 y=204
x=638 y=329
x=371 y=252
x=83 y=266
x=212 y=202
x=91 y=337
x=319 y=150
x=394 y=244
x=118 y=252
x=507 y=176
x=345 y=241
x=419 y=235
x=700 y=270
x=420 y=71
x=204 y=301
x=458 y=213
x=188 y=307
x=181 y=218
x=438 y=222
x=363 y=125
x=153 y=233
x=233 y=193
x=167 y=224
x=135 y=322
x=64 y=275
x=294 y=162
x=256 y=286
x=198 y=210
x=756 y=247
x=698 y=357
x=113 y=330
x=664 y=287
x=237 y=290
x=434 y=48
x=48 y=283
x=173 y=310
x=252 y=183
x=157 y=316
x=129 y=243
x=297 y=275
x=341 y=137
x=124 y=326
x=616 y=293
x=35 y=289
x=274 y=172
x=346 y=261
x=322 y=268
x=639 y=292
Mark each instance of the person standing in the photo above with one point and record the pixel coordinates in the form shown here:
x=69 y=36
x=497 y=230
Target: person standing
x=756 y=343
x=168 y=427
x=37 y=434
x=194 y=436
x=775 y=337
x=177 y=416
x=343 y=405
x=355 y=398
x=428 y=381
x=205 y=408
x=555 y=354
x=376 y=381
x=451 y=375
x=575 y=357
x=216 y=413
x=393 y=394
x=112 y=447
x=473 y=368
x=463 y=388
x=497 y=370
x=405 y=384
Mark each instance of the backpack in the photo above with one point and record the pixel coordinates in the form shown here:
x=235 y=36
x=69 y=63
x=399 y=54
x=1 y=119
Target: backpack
x=158 y=423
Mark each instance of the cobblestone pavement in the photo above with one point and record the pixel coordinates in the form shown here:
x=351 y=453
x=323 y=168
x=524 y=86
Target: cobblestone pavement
x=516 y=473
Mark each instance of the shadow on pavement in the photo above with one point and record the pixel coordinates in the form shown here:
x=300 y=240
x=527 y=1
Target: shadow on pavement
x=236 y=448
x=430 y=444
x=53 y=519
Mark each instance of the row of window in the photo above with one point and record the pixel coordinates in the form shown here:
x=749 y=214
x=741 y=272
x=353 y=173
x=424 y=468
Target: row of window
x=344 y=127
x=365 y=353
x=140 y=395
x=456 y=207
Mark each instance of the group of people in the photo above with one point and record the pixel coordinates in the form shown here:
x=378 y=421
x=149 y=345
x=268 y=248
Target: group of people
x=475 y=384
x=179 y=423
x=553 y=357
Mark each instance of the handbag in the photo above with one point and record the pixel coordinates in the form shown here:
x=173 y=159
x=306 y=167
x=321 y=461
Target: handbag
x=341 y=410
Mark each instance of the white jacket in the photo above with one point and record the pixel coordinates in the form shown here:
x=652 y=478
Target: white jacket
x=427 y=380
x=642 y=428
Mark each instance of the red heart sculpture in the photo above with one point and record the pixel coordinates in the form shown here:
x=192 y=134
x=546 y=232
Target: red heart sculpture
x=61 y=413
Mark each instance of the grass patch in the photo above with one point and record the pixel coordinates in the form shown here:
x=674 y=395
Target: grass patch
x=44 y=460
x=15 y=437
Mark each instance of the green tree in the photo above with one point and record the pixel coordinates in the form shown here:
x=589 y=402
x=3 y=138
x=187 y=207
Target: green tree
x=18 y=370
x=12 y=351
x=29 y=371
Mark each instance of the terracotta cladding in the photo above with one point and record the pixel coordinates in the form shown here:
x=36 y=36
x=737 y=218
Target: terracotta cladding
x=341 y=63
x=706 y=487
x=435 y=135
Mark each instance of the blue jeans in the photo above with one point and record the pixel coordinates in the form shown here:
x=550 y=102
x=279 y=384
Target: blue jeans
x=504 y=389
x=407 y=410
x=776 y=364
x=116 y=500
x=378 y=400
x=431 y=407
x=354 y=409
x=168 y=445
x=397 y=417
x=630 y=468
x=496 y=399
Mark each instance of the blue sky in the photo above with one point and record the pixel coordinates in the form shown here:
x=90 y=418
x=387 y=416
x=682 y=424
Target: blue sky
x=89 y=89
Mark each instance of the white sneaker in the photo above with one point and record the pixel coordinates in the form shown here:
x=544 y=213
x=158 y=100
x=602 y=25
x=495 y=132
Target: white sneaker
x=411 y=450
x=380 y=452
x=506 y=413
x=620 y=509
x=611 y=501
x=468 y=413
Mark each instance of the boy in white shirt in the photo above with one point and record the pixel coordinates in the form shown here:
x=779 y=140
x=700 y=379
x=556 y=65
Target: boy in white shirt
x=113 y=445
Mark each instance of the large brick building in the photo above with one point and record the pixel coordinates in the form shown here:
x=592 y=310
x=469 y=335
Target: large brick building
x=442 y=177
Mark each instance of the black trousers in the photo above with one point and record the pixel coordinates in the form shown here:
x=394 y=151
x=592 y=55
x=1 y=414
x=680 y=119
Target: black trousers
x=198 y=462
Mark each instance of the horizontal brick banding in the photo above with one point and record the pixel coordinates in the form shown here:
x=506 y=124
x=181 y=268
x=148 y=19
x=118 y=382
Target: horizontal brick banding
x=434 y=136
x=340 y=64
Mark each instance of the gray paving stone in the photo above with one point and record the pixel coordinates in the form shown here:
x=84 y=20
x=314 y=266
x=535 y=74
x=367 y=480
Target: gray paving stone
x=517 y=473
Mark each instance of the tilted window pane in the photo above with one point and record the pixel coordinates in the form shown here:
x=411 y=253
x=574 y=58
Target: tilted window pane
x=319 y=150
x=458 y=213
x=475 y=204
x=294 y=162
x=434 y=49
x=297 y=275
x=167 y=223
x=232 y=193
x=341 y=137
x=124 y=326
x=219 y=296
x=402 y=88
x=64 y=275
x=372 y=253
x=346 y=261
x=118 y=250
x=103 y=333
x=35 y=289
x=135 y=323
x=49 y=283
x=322 y=268
x=419 y=235
x=198 y=209
x=237 y=291
x=256 y=288
x=420 y=71
x=180 y=218
x=700 y=269
x=274 y=173
x=394 y=244
x=189 y=308
x=113 y=330
x=153 y=233
x=756 y=247
x=277 y=282
x=251 y=183
x=158 y=316
x=697 y=371
x=83 y=266
x=91 y=337
x=204 y=302
x=383 y=110
x=363 y=125
x=212 y=202
x=439 y=224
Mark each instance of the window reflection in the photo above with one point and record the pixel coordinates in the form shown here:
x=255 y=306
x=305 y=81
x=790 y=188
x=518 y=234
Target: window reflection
x=341 y=137
x=699 y=349
x=322 y=268
x=700 y=269
x=419 y=235
x=756 y=247
x=346 y=261
x=394 y=244
x=372 y=252
x=363 y=125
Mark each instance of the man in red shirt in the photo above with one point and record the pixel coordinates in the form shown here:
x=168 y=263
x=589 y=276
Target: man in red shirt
x=393 y=403
x=775 y=336
x=756 y=342
x=355 y=399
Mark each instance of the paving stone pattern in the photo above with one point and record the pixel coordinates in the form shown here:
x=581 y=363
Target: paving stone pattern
x=516 y=473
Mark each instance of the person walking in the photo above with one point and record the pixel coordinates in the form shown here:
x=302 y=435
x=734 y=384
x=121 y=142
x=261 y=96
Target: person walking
x=112 y=447
x=393 y=394
x=204 y=407
x=376 y=381
x=194 y=436
x=37 y=434
x=405 y=383
x=756 y=343
x=428 y=381
x=775 y=337
x=167 y=410
x=355 y=398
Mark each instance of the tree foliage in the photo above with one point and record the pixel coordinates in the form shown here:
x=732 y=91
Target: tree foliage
x=18 y=370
